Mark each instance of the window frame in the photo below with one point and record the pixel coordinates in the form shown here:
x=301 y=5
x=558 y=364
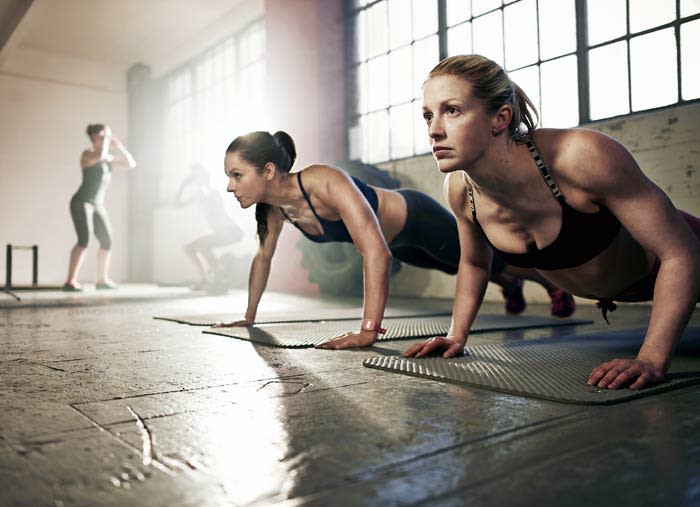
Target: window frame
x=198 y=89
x=353 y=7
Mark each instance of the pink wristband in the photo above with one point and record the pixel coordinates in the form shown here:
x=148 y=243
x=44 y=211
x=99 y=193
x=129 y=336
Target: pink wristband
x=371 y=325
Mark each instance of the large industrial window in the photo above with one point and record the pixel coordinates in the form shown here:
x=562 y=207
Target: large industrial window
x=642 y=54
x=210 y=101
x=578 y=60
x=396 y=44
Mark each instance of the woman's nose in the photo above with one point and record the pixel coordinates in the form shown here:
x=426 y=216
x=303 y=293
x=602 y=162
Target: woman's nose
x=435 y=129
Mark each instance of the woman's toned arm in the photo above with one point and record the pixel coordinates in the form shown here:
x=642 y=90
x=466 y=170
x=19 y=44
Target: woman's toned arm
x=472 y=276
x=260 y=270
x=337 y=191
x=122 y=156
x=610 y=175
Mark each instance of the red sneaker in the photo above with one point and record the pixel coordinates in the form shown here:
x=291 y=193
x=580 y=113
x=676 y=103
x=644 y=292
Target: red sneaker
x=515 y=302
x=563 y=304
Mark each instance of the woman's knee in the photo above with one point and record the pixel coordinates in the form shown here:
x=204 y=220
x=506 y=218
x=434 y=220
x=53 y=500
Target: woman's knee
x=105 y=241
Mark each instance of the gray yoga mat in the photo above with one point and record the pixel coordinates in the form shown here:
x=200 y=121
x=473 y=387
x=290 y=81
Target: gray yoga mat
x=317 y=315
x=551 y=369
x=309 y=334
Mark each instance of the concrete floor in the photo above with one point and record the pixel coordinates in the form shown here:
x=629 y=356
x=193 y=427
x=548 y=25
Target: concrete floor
x=90 y=382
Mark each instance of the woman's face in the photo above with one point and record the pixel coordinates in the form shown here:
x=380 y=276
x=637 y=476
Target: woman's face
x=245 y=181
x=458 y=125
x=98 y=139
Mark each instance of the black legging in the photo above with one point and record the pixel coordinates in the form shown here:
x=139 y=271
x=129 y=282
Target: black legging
x=429 y=239
x=100 y=224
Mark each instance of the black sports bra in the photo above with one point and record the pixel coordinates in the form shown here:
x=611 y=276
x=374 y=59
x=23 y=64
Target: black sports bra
x=582 y=237
x=334 y=230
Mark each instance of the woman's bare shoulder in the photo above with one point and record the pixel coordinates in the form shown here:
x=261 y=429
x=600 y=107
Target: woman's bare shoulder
x=584 y=157
x=322 y=171
x=324 y=177
x=88 y=158
x=455 y=190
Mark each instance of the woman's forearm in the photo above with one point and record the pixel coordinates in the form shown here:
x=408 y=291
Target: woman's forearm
x=469 y=293
x=377 y=272
x=675 y=297
x=125 y=153
x=257 y=281
x=106 y=142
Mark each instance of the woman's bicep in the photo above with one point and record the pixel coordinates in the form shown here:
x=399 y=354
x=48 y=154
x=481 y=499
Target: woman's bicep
x=473 y=246
x=618 y=184
x=474 y=249
x=652 y=220
x=356 y=213
x=274 y=229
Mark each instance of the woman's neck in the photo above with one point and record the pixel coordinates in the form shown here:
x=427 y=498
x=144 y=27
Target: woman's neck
x=284 y=192
x=501 y=171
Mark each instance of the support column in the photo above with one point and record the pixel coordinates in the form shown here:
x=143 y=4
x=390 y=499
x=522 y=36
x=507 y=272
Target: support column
x=145 y=141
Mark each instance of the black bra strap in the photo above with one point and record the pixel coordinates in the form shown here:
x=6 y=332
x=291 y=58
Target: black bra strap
x=544 y=171
x=470 y=194
x=306 y=196
x=471 y=200
x=285 y=216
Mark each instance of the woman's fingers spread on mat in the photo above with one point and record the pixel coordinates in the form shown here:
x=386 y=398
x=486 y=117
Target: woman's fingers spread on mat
x=412 y=350
x=455 y=350
x=599 y=372
x=625 y=372
x=637 y=375
x=435 y=345
x=347 y=341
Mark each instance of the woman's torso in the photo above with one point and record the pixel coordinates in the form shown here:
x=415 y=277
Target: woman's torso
x=320 y=222
x=94 y=184
x=606 y=258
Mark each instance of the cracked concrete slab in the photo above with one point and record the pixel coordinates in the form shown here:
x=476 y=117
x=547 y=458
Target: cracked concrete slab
x=103 y=405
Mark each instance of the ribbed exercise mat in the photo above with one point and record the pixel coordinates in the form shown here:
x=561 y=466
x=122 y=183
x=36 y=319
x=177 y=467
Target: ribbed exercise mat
x=552 y=369
x=318 y=315
x=308 y=334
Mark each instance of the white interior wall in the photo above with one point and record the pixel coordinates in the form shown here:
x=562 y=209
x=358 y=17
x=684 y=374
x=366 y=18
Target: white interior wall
x=46 y=101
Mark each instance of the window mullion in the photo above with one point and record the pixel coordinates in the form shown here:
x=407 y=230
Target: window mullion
x=584 y=101
x=677 y=34
x=442 y=28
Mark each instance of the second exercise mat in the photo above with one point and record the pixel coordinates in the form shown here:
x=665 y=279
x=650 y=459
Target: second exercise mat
x=309 y=334
x=551 y=369
x=289 y=317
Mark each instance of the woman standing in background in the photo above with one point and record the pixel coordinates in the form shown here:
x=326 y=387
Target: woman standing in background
x=87 y=204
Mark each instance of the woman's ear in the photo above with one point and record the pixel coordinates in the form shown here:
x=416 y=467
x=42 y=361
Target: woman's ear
x=269 y=171
x=501 y=119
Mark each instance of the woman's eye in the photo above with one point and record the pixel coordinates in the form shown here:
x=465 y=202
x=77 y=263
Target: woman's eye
x=427 y=117
x=452 y=110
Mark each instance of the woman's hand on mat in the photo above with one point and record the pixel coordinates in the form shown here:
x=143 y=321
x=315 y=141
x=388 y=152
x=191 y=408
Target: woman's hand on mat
x=350 y=340
x=445 y=345
x=237 y=323
x=632 y=373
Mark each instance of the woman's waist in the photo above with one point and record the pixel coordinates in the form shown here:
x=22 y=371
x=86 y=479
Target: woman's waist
x=391 y=212
x=94 y=198
x=607 y=276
